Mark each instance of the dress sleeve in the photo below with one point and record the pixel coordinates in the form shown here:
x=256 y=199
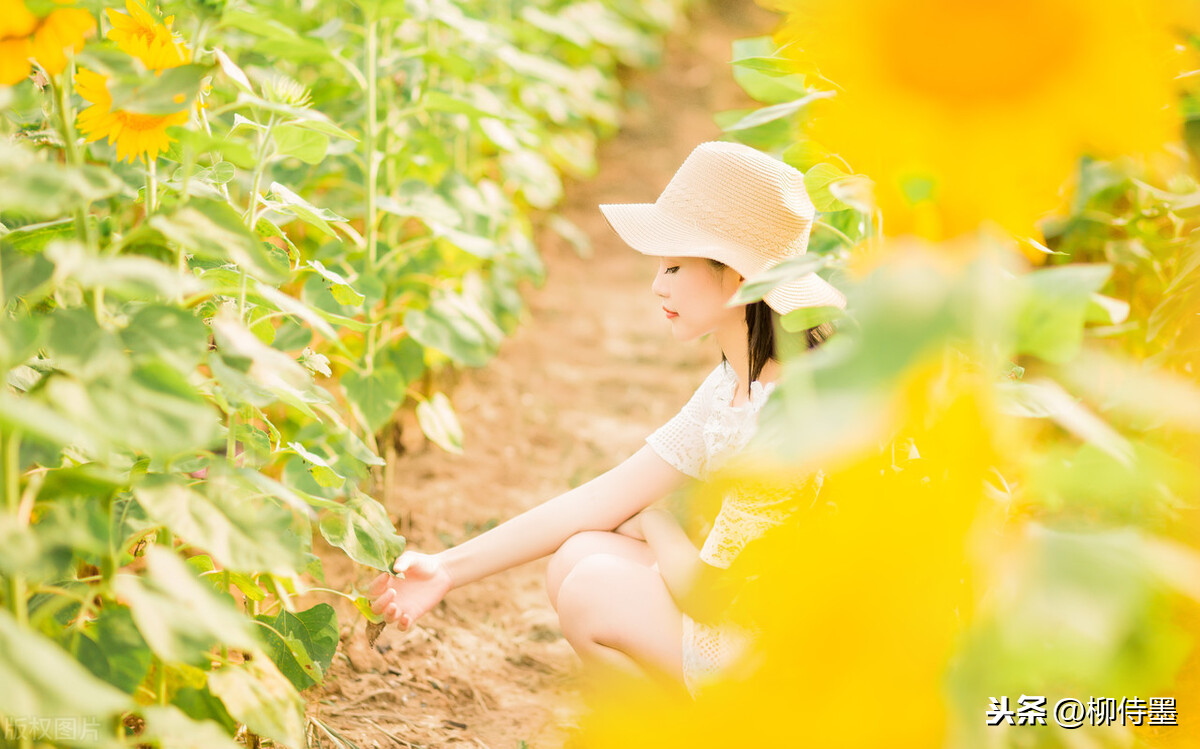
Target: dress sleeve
x=680 y=441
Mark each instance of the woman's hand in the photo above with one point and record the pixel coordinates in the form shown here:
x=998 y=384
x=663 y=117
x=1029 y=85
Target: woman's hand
x=632 y=527
x=422 y=581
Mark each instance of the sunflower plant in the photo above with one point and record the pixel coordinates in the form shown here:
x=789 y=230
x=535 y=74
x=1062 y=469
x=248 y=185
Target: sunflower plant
x=235 y=240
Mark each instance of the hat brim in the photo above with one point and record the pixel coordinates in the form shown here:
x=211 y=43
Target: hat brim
x=652 y=231
x=806 y=291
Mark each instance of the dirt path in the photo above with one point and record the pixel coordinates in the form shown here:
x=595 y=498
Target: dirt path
x=592 y=371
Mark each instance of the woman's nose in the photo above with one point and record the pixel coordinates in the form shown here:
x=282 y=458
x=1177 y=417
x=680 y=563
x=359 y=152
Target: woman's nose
x=659 y=287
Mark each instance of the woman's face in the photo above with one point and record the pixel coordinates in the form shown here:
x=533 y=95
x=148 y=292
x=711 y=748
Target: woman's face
x=694 y=293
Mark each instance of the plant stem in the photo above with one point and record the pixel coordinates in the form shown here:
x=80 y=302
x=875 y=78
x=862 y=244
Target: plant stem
x=369 y=135
x=61 y=96
x=161 y=683
x=372 y=164
x=151 y=187
x=10 y=453
x=836 y=232
x=231 y=437
x=259 y=167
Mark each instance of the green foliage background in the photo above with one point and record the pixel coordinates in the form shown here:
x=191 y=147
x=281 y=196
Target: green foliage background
x=201 y=352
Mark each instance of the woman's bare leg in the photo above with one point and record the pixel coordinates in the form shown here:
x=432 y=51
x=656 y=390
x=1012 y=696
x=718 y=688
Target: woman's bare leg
x=582 y=545
x=621 y=620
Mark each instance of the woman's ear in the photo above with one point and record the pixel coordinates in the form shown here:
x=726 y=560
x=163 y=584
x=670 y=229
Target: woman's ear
x=733 y=274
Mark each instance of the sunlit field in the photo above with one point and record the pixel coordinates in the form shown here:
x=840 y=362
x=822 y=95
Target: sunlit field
x=249 y=250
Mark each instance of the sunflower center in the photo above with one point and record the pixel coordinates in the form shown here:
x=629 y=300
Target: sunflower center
x=142 y=122
x=978 y=51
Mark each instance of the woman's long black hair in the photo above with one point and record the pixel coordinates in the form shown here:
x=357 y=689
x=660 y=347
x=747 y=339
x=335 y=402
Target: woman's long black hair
x=760 y=333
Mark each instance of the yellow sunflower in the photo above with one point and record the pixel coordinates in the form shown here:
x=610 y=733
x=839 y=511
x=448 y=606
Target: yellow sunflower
x=16 y=24
x=139 y=34
x=968 y=111
x=141 y=136
x=24 y=36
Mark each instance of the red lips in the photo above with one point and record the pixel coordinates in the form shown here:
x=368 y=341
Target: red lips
x=670 y=314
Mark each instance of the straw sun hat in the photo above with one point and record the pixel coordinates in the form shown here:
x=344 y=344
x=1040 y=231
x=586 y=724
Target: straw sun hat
x=734 y=204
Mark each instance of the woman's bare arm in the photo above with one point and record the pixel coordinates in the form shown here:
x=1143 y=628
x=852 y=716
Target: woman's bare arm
x=699 y=589
x=601 y=504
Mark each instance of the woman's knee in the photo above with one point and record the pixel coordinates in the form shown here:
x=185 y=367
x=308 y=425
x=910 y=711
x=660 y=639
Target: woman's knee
x=568 y=555
x=581 y=602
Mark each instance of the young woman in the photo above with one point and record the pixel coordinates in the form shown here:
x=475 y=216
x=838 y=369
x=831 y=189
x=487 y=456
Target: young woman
x=627 y=582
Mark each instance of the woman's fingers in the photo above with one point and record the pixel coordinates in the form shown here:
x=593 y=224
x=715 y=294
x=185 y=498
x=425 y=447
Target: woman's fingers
x=379 y=584
x=402 y=562
x=382 y=601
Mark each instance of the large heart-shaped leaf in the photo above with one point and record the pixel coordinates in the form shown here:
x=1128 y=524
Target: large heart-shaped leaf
x=302 y=644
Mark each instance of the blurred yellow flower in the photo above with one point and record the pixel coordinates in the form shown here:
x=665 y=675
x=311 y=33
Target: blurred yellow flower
x=24 y=36
x=859 y=601
x=968 y=111
x=141 y=136
x=139 y=34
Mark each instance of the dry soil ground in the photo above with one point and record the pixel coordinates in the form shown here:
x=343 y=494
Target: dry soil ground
x=589 y=374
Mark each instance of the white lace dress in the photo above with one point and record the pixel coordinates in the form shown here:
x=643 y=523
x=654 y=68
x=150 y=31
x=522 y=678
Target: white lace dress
x=705 y=433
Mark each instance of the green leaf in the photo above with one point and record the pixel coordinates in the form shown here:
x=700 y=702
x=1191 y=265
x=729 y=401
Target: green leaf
x=789 y=270
x=806 y=154
x=321 y=471
x=457 y=326
x=47 y=189
x=416 y=198
x=267 y=370
x=20 y=338
x=355 y=448
x=321 y=126
x=256 y=694
x=289 y=202
x=315 y=363
x=439 y=423
x=266 y=229
x=1107 y=310
x=363 y=604
x=1054 y=309
x=38 y=421
x=341 y=289
x=764 y=64
x=161 y=93
x=241 y=533
x=38 y=679
x=200 y=704
x=167 y=725
x=160 y=412
x=361 y=528
x=809 y=317
x=764 y=77
x=307 y=145
x=1047 y=399
x=377 y=394
x=817 y=182
x=232 y=71
x=170 y=334
x=122 y=657
x=406 y=356
x=179 y=616
x=124 y=275
x=311 y=640
x=537 y=179
x=77 y=344
x=298 y=309
x=25 y=276
x=212 y=229
x=775 y=112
